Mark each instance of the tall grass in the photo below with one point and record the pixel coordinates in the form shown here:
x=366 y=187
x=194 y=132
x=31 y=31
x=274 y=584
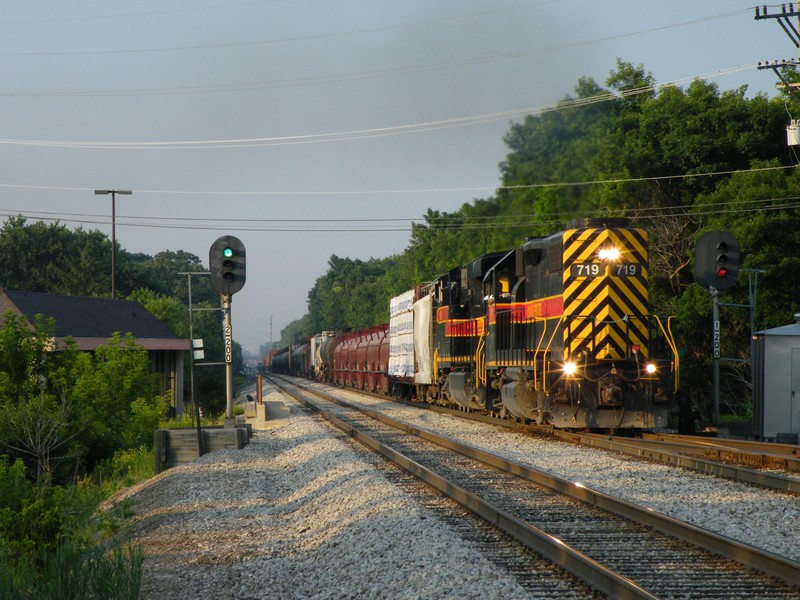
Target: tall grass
x=70 y=572
x=77 y=561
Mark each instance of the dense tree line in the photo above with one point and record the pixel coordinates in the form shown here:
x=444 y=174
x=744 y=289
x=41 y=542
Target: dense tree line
x=678 y=161
x=51 y=258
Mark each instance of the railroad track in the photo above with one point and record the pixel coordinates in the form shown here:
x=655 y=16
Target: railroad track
x=620 y=549
x=751 y=452
x=738 y=460
x=727 y=463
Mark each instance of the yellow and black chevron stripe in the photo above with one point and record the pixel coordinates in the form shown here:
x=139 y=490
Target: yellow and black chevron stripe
x=605 y=299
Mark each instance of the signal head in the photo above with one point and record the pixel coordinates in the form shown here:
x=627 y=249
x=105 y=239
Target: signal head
x=717 y=260
x=227 y=265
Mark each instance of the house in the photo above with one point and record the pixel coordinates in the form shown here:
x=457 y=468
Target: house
x=91 y=322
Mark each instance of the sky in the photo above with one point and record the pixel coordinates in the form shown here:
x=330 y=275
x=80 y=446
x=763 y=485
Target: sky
x=309 y=128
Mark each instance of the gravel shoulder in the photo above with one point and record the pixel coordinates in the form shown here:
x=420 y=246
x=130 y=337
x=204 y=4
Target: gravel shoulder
x=302 y=512
x=298 y=513
x=761 y=517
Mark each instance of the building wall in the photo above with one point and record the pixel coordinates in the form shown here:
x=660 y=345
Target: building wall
x=776 y=386
x=169 y=365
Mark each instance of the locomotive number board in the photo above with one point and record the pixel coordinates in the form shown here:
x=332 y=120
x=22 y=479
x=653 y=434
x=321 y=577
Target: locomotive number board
x=599 y=270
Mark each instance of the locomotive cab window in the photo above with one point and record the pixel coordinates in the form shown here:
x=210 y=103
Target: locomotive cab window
x=503 y=288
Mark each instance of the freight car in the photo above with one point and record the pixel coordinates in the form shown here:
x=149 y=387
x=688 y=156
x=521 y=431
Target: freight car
x=556 y=331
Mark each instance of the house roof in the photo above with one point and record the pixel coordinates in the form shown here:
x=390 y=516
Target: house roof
x=91 y=321
x=792 y=330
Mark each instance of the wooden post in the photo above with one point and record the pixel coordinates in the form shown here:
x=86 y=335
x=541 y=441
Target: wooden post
x=160 y=443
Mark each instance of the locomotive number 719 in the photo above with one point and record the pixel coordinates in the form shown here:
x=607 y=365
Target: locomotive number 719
x=597 y=270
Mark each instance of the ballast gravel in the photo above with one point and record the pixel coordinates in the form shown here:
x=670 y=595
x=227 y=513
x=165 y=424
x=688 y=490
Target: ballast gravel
x=298 y=513
x=757 y=516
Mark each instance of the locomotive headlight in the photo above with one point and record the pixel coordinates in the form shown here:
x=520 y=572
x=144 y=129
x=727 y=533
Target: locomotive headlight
x=609 y=254
x=650 y=368
x=570 y=368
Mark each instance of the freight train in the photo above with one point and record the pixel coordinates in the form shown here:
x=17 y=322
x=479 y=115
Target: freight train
x=557 y=331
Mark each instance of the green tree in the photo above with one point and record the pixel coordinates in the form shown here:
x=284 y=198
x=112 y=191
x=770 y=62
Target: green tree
x=161 y=274
x=40 y=424
x=50 y=258
x=120 y=375
x=346 y=296
x=167 y=309
x=64 y=410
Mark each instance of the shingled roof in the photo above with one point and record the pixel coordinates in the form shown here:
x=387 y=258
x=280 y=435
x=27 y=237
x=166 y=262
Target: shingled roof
x=92 y=321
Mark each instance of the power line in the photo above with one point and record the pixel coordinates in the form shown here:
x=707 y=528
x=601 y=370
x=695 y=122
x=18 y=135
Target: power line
x=139 y=14
x=364 y=133
x=289 y=39
x=447 y=222
x=556 y=184
x=249 y=86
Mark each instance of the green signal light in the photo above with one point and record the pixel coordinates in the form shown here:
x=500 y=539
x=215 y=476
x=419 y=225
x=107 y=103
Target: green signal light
x=227 y=252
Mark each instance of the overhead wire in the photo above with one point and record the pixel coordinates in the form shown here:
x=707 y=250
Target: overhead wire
x=140 y=13
x=367 y=133
x=355 y=192
x=447 y=221
x=298 y=38
x=106 y=51
x=394 y=130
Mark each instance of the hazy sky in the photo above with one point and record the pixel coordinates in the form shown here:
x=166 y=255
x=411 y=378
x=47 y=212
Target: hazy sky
x=307 y=127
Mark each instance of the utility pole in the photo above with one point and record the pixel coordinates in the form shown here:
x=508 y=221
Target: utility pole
x=785 y=19
x=113 y=234
x=195 y=404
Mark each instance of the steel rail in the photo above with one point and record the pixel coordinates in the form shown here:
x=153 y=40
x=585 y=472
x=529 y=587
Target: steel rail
x=735 y=472
x=754 y=558
x=582 y=566
x=786 y=456
x=630 y=446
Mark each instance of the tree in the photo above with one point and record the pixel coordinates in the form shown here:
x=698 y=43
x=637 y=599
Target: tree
x=161 y=273
x=39 y=421
x=52 y=259
x=167 y=309
x=64 y=410
x=348 y=294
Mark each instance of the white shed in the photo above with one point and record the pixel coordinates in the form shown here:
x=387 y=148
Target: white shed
x=776 y=383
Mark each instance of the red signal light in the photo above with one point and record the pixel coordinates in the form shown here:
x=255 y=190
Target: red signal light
x=722 y=271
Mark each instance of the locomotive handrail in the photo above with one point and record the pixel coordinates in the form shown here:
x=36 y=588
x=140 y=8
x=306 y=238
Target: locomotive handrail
x=480 y=361
x=670 y=338
x=546 y=350
x=675 y=353
x=536 y=352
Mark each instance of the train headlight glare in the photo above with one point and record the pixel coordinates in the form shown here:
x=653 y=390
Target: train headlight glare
x=650 y=368
x=610 y=254
x=570 y=368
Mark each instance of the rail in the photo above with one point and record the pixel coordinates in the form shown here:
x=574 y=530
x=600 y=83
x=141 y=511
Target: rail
x=773 y=565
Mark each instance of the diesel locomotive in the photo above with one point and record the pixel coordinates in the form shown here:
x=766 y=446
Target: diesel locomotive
x=557 y=331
